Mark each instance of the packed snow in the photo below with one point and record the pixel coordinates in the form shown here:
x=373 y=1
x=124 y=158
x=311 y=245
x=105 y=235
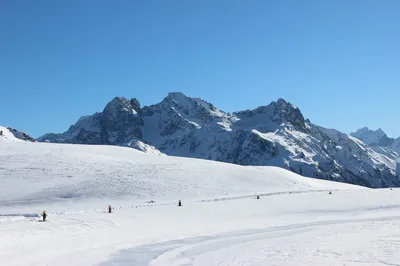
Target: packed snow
x=295 y=221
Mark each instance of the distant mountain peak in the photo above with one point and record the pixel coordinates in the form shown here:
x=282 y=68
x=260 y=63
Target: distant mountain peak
x=282 y=101
x=370 y=137
x=121 y=104
x=290 y=113
x=176 y=94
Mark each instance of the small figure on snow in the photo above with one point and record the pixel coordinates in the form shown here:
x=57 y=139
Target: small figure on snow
x=258 y=196
x=1 y=132
x=330 y=192
x=109 y=208
x=44 y=214
x=179 y=203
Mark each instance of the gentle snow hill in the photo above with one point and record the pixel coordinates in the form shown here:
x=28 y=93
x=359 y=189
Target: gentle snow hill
x=45 y=173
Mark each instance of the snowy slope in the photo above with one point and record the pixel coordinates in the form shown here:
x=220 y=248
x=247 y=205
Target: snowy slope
x=295 y=221
x=41 y=173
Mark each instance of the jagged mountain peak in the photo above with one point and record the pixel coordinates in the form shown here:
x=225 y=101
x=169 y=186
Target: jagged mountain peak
x=369 y=136
x=177 y=94
x=285 y=104
x=280 y=112
x=281 y=101
x=120 y=105
x=188 y=106
x=177 y=99
x=368 y=130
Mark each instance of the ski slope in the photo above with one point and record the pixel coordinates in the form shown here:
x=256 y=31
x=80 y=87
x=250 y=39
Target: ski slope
x=295 y=221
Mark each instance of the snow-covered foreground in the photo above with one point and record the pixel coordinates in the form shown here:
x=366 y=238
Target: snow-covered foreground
x=295 y=221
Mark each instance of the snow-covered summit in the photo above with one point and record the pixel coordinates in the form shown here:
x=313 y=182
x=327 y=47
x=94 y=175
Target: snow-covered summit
x=276 y=134
x=277 y=113
x=119 y=104
x=378 y=140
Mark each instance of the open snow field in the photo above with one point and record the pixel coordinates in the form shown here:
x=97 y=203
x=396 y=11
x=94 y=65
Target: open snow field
x=295 y=221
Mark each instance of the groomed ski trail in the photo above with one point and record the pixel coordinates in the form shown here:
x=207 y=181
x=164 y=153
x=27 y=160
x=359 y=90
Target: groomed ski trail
x=183 y=251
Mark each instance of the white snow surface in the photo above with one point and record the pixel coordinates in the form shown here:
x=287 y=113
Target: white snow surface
x=295 y=221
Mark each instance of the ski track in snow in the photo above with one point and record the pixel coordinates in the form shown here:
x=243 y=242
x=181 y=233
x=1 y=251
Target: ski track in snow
x=182 y=251
x=191 y=249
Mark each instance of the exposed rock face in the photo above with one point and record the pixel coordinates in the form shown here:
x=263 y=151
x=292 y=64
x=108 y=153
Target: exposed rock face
x=121 y=122
x=276 y=134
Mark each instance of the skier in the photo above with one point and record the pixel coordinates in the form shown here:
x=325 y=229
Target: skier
x=179 y=203
x=1 y=132
x=109 y=208
x=44 y=216
x=258 y=196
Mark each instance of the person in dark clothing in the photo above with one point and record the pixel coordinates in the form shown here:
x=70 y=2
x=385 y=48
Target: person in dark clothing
x=109 y=208
x=179 y=203
x=44 y=214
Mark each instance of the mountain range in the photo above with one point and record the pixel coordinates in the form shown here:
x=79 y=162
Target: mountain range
x=276 y=134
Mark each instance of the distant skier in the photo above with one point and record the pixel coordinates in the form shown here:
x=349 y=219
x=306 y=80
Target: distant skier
x=179 y=203
x=330 y=192
x=258 y=196
x=44 y=214
x=1 y=132
x=109 y=208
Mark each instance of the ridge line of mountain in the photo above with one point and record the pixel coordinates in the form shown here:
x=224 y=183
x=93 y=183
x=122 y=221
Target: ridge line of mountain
x=276 y=134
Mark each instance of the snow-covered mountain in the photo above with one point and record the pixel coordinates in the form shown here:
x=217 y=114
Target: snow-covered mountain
x=11 y=134
x=372 y=137
x=276 y=134
x=378 y=140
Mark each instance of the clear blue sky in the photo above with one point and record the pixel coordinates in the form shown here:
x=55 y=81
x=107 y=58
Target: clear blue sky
x=337 y=60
